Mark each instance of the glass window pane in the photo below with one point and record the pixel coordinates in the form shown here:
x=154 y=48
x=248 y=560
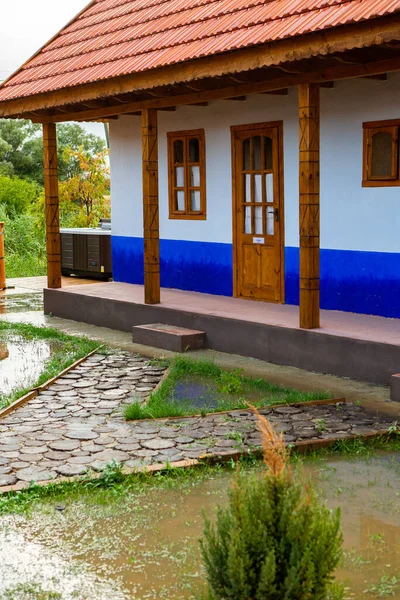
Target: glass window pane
x=195 y=200
x=179 y=177
x=247 y=188
x=246 y=155
x=257 y=153
x=269 y=186
x=194 y=176
x=381 y=156
x=178 y=151
x=259 y=220
x=257 y=188
x=247 y=220
x=270 y=220
x=180 y=201
x=268 y=154
x=194 y=150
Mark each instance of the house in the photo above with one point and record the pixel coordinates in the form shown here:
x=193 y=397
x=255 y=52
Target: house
x=254 y=147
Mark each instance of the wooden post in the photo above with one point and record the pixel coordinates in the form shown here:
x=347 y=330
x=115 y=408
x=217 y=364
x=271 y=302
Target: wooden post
x=309 y=109
x=3 y=284
x=53 y=238
x=151 y=232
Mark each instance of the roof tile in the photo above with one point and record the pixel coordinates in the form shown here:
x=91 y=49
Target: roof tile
x=113 y=38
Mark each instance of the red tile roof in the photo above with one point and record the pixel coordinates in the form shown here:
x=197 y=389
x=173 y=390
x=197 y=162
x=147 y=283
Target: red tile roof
x=112 y=38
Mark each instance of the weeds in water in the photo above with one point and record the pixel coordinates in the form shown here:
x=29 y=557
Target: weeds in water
x=229 y=387
x=29 y=591
x=386 y=586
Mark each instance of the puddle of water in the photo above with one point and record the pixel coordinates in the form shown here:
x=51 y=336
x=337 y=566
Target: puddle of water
x=15 y=303
x=146 y=545
x=23 y=363
x=203 y=392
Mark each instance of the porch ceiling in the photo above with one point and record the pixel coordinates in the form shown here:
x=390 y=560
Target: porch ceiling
x=361 y=50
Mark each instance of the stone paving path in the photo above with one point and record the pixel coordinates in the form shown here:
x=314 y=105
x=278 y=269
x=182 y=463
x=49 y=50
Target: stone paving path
x=78 y=425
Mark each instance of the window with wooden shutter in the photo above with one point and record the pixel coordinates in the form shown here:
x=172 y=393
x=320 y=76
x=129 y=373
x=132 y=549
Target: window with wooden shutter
x=381 y=154
x=187 y=174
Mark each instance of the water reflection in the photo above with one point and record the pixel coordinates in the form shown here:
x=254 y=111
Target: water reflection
x=23 y=362
x=146 y=543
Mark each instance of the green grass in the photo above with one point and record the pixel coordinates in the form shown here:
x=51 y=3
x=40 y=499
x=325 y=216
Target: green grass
x=233 y=389
x=25 y=265
x=68 y=349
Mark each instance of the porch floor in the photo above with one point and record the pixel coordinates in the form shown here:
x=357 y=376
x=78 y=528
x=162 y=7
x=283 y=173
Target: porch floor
x=352 y=325
x=349 y=345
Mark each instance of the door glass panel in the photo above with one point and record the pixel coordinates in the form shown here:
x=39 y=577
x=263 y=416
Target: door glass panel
x=257 y=188
x=246 y=155
x=270 y=221
x=195 y=200
x=269 y=184
x=194 y=150
x=381 y=159
x=259 y=220
x=268 y=154
x=247 y=188
x=178 y=151
x=247 y=220
x=194 y=176
x=257 y=153
x=180 y=200
x=179 y=177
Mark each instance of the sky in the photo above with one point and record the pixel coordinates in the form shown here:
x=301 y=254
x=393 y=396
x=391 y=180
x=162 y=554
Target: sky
x=26 y=25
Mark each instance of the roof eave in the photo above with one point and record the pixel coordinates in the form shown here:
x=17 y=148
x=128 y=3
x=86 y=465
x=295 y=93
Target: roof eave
x=323 y=43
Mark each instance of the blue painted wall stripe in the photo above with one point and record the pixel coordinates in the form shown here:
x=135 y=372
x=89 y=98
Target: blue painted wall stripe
x=194 y=266
x=363 y=282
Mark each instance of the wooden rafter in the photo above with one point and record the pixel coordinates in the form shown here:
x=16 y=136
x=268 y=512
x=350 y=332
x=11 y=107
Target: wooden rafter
x=323 y=75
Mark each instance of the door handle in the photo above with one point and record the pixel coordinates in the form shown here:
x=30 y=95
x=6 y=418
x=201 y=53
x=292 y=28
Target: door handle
x=276 y=215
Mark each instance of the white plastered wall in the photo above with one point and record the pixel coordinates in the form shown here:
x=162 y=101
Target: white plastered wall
x=352 y=217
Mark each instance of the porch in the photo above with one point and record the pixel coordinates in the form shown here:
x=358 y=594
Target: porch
x=349 y=345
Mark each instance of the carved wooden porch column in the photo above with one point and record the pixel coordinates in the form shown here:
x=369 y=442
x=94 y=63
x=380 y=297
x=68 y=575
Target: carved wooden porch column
x=53 y=239
x=309 y=156
x=151 y=232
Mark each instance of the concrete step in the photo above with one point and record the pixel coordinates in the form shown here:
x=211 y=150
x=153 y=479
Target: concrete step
x=169 y=337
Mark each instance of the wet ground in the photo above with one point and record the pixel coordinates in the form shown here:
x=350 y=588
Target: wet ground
x=23 y=362
x=77 y=425
x=16 y=303
x=204 y=392
x=145 y=545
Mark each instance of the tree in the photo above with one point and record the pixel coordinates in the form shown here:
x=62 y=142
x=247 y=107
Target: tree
x=17 y=195
x=84 y=197
x=275 y=540
x=21 y=148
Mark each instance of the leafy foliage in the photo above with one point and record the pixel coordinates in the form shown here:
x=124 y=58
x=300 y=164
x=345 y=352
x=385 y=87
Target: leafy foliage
x=21 y=149
x=83 y=195
x=84 y=187
x=275 y=540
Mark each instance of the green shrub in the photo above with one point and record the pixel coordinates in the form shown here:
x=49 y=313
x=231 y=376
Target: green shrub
x=275 y=540
x=17 y=195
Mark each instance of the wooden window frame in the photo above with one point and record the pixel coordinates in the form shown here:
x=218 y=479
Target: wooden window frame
x=185 y=136
x=370 y=129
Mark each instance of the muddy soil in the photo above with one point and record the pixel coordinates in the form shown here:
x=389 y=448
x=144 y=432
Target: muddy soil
x=145 y=545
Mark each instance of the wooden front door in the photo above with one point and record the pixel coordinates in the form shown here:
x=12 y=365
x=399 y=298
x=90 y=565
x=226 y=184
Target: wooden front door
x=258 y=211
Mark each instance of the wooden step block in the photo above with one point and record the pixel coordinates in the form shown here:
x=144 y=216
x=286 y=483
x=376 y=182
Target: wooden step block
x=169 y=337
